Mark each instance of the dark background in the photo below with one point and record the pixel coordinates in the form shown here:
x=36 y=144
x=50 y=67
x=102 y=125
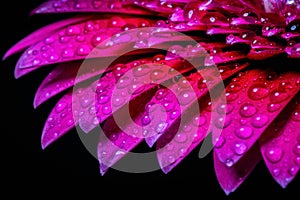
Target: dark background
x=22 y=155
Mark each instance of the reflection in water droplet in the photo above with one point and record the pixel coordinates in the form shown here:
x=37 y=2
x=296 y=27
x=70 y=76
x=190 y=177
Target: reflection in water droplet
x=181 y=137
x=260 y=120
x=244 y=132
x=274 y=154
x=258 y=91
x=220 y=141
x=247 y=110
x=278 y=96
x=273 y=107
x=240 y=148
x=296 y=117
x=276 y=172
x=229 y=163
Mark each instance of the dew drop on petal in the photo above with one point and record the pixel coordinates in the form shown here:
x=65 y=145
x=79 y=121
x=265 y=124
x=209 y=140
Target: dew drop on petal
x=244 y=132
x=106 y=110
x=273 y=107
x=247 y=110
x=240 y=148
x=260 y=120
x=296 y=116
x=229 y=162
x=157 y=74
x=220 y=141
x=274 y=154
x=278 y=96
x=276 y=172
x=146 y=120
x=181 y=137
x=258 y=92
x=60 y=107
x=186 y=97
x=293 y=171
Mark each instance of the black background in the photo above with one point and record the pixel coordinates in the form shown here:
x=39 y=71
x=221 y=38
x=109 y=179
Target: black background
x=22 y=155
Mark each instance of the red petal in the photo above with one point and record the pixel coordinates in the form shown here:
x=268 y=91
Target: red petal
x=280 y=144
x=249 y=97
x=98 y=6
x=230 y=178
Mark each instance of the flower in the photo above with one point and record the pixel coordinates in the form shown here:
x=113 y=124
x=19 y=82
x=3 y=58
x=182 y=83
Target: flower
x=242 y=44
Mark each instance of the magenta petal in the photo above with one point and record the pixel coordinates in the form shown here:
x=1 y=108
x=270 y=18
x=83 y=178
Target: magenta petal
x=40 y=33
x=78 y=40
x=197 y=83
x=64 y=76
x=183 y=136
x=97 y=6
x=249 y=110
x=280 y=144
x=59 y=122
x=117 y=141
x=230 y=178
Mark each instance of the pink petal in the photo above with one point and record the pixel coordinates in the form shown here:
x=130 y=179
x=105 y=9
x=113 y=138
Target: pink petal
x=200 y=83
x=183 y=136
x=117 y=141
x=64 y=76
x=249 y=97
x=57 y=6
x=59 y=122
x=40 y=33
x=280 y=144
x=230 y=178
x=125 y=89
x=77 y=41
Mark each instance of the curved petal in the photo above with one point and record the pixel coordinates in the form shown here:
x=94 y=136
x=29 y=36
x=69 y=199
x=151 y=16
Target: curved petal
x=97 y=6
x=249 y=100
x=42 y=32
x=230 y=178
x=280 y=144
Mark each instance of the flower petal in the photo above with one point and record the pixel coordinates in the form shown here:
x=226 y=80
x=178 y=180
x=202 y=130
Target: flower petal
x=249 y=103
x=78 y=40
x=47 y=30
x=98 y=6
x=230 y=178
x=64 y=76
x=280 y=144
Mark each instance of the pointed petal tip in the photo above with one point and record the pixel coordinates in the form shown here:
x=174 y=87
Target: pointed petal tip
x=103 y=169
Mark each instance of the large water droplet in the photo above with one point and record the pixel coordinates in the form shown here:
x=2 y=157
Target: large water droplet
x=276 y=172
x=273 y=107
x=162 y=93
x=240 y=148
x=106 y=110
x=67 y=53
x=278 y=96
x=146 y=120
x=181 y=137
x=73 y=30
x=260 y=120
x=118 y=101
x=123 y=82
x=234 y=87
x=244 y=132
x=85 y=102
x=83 y=50
x=229 y=162
x=258 y=91
x=274 y=154
x=61 y=106
x=220 y=141
x=141 y=70
x=157 y=74
x=186 y=97
x=296 y=117
x=222 y=123
x=103 y=99
x=174 y=114
x=247 y=110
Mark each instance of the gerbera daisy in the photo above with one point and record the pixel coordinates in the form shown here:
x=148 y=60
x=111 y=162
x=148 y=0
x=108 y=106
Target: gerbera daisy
x=173 y=73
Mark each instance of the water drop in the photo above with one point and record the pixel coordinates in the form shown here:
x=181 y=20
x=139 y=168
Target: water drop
x=73 y=30
x=258 y=91
x=273 y=107
x=276 y=172
x=230 y=97
x=157 y=74
x=297 y=149
x=85 y=102
x=181 y=137
x=61 y=106
x=123 y=82
x=186 y=97
x=244 y=132
x=160 y=94
x=297 y=161
x=53 y=58
x=274 y=154
x=169 y=106
x=222 y=123
x=119 y=70
x=234 y=87
x=49 y=40
x=229 y=162
x=278 y=96
x=220 y=141
x=67 y=53
x=146 y=120
x=103 y=99
x=240 y=148
x=293 y=171
x=83 y=50
x=260 y=120
x=171 y=159
x=296 y=116
x=222 y=109
x=247 y=110
x=106 y=110
x=174 y=114
x=141 y=70
x=118 y=101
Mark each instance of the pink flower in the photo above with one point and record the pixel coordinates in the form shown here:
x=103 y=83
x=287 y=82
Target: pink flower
x=250 y=46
